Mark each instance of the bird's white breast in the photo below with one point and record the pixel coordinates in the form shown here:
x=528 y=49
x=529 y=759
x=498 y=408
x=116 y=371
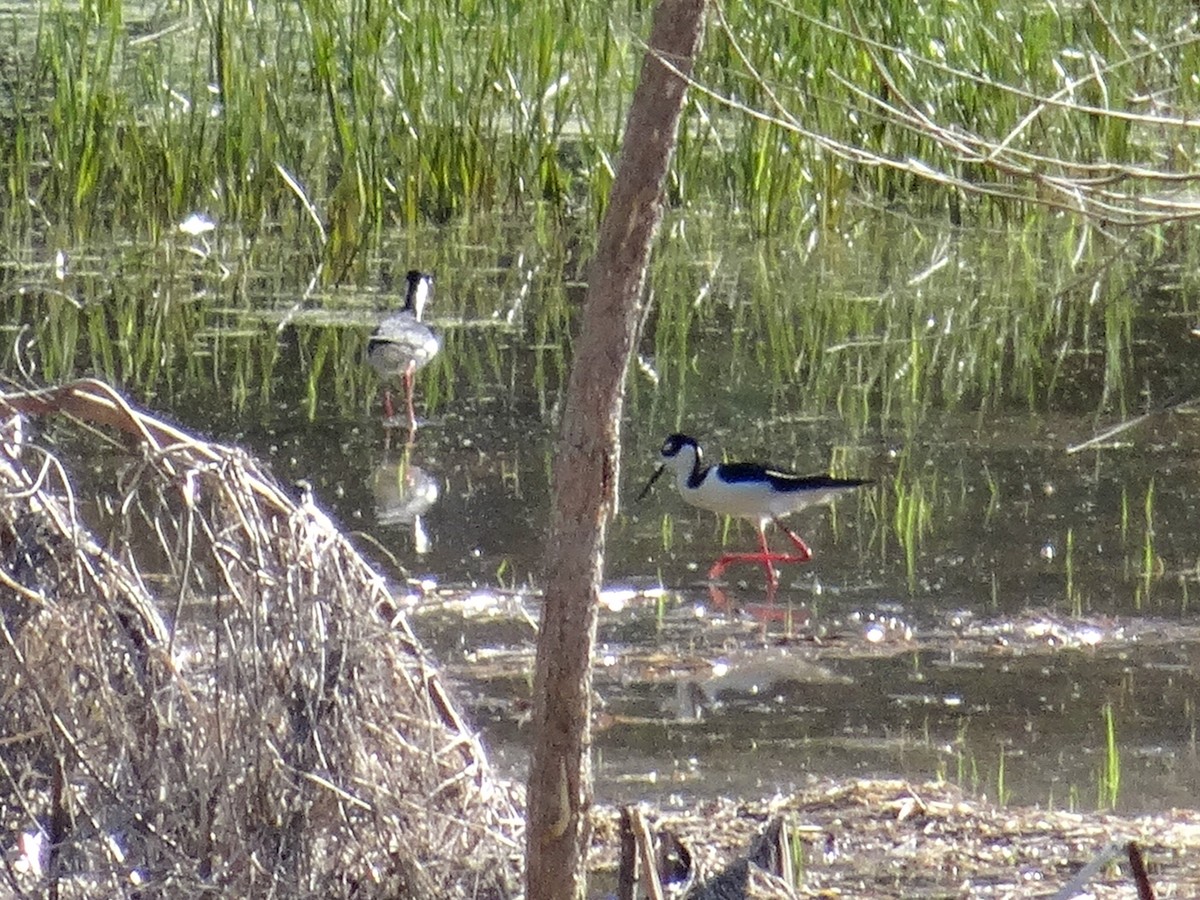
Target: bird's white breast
x=752 y=500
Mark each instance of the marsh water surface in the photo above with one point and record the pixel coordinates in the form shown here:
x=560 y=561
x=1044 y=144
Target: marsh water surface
x=993 y=609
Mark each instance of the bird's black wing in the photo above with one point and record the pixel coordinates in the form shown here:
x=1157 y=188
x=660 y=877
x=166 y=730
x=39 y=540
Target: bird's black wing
x=785 y=482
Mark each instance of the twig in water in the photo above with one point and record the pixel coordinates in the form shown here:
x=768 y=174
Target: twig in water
x=1140 y=877
x=1170 y=406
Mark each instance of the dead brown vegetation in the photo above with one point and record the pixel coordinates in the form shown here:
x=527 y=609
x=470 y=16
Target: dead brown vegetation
x=887 y=838
x=206 y=690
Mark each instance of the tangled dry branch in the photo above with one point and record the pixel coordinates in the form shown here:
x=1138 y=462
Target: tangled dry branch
x=207 y=689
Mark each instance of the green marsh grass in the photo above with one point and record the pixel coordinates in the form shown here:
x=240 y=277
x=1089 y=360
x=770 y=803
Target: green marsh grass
x=379 y=112
x=797 y=860
x=966 y=766
x=1109 y=781
x=1074 y=597
x=1150 y=564
x=963 y=325
x=667 y=531
x=382 y=112
x=381 y=115
x=912 y=519
x=1002 y=791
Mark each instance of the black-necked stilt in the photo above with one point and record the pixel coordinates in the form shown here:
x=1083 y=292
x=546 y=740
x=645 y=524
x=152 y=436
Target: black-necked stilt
x=747 y=491
x=402 y=343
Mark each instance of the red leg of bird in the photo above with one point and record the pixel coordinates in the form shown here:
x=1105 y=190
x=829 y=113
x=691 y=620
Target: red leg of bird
x=772 y=577
x=765 y=557
x=388 y=412
x=804 y=554
x=408 y=395
x=759 y=558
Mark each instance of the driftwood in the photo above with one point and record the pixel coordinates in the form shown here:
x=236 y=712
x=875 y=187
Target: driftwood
x=206 y=690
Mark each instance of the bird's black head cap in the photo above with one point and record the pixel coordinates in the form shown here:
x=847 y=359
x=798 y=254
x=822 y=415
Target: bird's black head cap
x=420 y=291
x=676 y=442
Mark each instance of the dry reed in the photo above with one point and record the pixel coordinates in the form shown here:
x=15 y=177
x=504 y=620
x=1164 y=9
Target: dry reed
x=207 y=690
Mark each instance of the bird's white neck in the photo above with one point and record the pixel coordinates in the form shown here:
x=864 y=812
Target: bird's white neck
x=683 y=464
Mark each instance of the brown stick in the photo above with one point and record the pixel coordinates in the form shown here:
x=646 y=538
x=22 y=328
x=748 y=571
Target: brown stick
x=1140 y=876
x=651 y=885
x=627 y=866
x=586 y=464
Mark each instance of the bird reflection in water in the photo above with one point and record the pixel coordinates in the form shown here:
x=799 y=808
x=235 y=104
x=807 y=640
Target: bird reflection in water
x=403 y=492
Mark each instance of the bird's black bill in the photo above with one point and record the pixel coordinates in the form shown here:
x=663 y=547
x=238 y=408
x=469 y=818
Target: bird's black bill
x=650 y=483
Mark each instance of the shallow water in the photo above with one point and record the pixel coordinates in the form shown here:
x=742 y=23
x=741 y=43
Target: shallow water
x=972 y=614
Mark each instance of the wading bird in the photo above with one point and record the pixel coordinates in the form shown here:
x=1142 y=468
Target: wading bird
x=402 y=343
x=751 y=491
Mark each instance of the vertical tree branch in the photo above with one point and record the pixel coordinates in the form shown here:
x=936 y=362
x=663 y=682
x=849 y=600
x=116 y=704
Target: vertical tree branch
x=586 y=463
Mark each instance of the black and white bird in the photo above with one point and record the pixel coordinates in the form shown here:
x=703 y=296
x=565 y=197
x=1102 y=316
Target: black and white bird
x=403 y=344
x=751 y=491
